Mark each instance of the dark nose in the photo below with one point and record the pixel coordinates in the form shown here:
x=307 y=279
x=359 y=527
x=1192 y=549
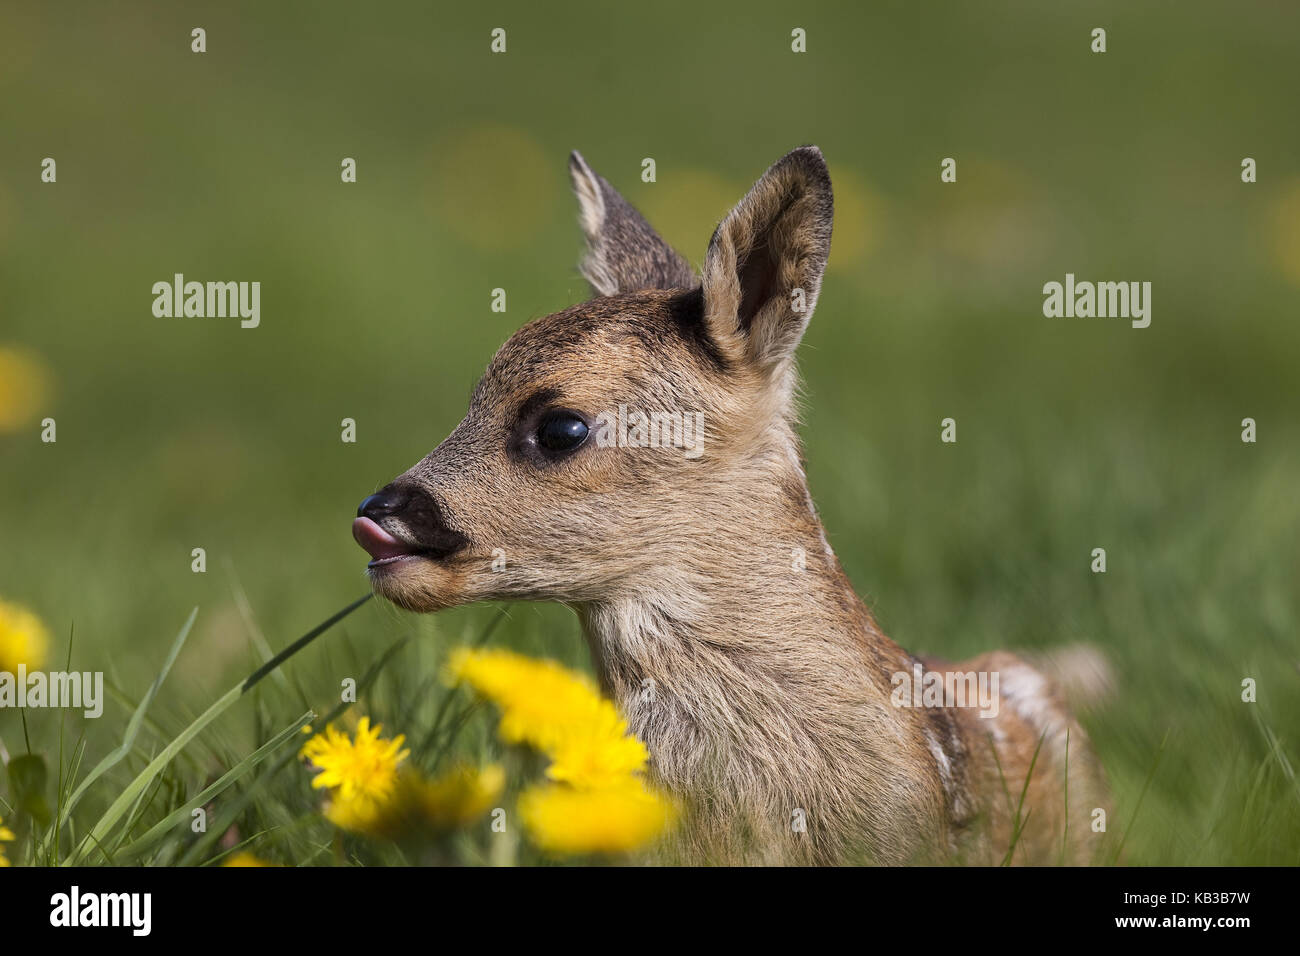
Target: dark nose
x=382 y=503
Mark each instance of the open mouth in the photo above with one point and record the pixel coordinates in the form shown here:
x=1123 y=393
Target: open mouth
x=382 y=547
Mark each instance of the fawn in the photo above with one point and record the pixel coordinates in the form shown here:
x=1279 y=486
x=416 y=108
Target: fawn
x=762 y=687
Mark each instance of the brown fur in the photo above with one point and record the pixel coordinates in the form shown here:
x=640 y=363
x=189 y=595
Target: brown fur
x=759 y=681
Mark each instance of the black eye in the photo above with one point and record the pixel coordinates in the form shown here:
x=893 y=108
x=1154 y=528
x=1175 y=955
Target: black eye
x=561 y=431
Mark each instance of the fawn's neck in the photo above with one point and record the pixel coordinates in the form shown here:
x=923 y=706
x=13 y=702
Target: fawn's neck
x=744 y=629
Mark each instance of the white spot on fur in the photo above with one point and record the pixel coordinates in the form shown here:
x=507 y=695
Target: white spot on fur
x=941 y=759
x=1029 y=695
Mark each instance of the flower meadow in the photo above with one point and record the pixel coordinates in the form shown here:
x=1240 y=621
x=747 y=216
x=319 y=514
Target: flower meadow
x=595 y=799
x=568 y=782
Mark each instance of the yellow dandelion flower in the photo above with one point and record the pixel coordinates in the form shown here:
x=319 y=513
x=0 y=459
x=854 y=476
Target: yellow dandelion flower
x=360 y=772
x=5 y=835
x=244 y=858
x=1285 y=228
x=598 y=802
x=359 y=815
x=538 y=699
x=488 y=174
x=23 y=639
x=417 y=806
x=24 y=388
x=616 y=819
x=597 y=753
x=458 y=798
x=686 y=204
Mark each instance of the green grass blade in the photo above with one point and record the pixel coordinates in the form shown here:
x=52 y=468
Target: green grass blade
x=132 y=727
x=182 y=814
x=302 y=642
x=133 y=790
x=127 y=797
x=1151 y=773
x=1018 y=827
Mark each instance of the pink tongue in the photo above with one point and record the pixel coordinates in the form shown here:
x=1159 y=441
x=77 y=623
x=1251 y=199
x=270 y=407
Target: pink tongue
x=379 y=544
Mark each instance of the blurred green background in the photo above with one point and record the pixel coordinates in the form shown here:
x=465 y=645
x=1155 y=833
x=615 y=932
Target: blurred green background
x=1072 y=433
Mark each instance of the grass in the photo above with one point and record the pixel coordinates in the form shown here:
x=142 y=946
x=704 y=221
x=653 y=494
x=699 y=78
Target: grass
x=1072 y=434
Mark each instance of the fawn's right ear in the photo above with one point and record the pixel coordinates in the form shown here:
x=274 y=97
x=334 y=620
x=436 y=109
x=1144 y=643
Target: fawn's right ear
x=624 y=253
x=765 y=262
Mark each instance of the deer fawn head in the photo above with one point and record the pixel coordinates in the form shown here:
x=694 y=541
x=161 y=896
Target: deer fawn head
x=607 y=444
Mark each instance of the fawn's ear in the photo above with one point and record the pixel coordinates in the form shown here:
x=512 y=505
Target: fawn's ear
x=765 y=262
x=623 y=253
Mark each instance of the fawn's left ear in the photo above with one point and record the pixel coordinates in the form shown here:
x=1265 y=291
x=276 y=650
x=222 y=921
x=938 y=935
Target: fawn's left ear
x=765 y=262
x=624 y=254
